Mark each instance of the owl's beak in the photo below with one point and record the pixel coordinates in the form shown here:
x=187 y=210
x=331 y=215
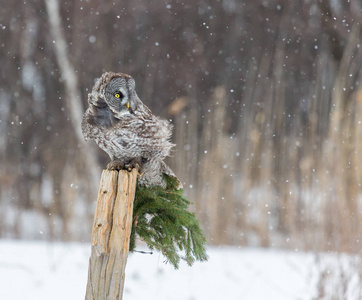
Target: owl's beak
x=127 y=105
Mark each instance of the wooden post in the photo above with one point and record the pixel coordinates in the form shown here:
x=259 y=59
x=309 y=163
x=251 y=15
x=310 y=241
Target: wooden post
x=111 y=235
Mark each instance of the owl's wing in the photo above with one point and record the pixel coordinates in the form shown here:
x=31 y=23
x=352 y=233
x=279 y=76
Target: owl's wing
x=165 y=169
x=129 y=143
x=87 y=129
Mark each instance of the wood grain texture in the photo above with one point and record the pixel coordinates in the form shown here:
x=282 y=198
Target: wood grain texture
x=111 y=235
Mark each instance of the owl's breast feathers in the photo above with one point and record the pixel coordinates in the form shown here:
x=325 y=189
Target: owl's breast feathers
x=138 y=133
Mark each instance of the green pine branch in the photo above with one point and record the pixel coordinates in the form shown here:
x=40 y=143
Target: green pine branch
x=161 y=219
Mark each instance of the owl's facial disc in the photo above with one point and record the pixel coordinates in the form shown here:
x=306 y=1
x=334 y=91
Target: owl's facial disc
x=117 y=96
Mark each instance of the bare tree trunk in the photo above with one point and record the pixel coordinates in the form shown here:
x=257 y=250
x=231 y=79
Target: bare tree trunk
x=72 y=98
x=338 y=148
x=111 y=235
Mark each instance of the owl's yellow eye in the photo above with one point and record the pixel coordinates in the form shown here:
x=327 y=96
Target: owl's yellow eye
x=117 y=95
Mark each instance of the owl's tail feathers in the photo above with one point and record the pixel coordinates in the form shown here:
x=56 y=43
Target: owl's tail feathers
x=165 y=169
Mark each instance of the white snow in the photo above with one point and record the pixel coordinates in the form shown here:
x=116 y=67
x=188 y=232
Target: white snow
x=44 y=270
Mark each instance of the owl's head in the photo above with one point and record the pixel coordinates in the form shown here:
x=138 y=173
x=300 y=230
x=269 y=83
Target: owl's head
x=117 y=91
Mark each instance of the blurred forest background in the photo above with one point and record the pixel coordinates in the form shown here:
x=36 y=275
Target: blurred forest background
x=265 y=96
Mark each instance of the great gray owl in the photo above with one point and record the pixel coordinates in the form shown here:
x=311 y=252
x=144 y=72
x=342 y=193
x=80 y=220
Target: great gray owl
x=127 y=130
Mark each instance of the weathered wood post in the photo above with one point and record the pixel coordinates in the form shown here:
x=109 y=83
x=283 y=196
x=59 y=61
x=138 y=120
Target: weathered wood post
x=111 y=235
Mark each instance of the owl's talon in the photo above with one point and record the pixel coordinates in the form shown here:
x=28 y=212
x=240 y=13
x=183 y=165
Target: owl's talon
x=138 y=170
x=135 y=163
x=136 y=166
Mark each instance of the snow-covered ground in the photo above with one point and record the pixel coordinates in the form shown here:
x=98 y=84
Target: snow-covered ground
x=40 y=270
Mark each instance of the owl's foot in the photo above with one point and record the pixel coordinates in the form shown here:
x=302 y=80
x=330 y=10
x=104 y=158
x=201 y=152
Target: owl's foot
x=115 y=165
x=135 y=163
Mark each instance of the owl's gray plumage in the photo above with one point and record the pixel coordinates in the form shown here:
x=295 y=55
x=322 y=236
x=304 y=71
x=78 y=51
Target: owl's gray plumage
x=126 y=129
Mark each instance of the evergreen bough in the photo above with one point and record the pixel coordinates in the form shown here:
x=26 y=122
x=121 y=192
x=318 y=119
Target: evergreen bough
x=161 y=219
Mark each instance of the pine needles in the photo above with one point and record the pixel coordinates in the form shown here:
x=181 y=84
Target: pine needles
x=161 y=219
